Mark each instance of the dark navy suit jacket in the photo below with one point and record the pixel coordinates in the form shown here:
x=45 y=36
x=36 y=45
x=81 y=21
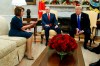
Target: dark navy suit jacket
x=46 y=21
x=85 y=22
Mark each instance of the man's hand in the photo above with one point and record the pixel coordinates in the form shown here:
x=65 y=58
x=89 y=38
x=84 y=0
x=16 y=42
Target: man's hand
x=56 y=26
x=77 y=31
x=80 y=32
x=33 y=24
x=47 y=25
x=28 y=30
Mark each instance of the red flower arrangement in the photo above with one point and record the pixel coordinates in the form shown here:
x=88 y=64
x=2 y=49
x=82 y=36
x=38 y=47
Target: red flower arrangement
x=63 y=43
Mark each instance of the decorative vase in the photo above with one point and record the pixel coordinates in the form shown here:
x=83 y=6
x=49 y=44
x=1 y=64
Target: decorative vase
x=62 y=54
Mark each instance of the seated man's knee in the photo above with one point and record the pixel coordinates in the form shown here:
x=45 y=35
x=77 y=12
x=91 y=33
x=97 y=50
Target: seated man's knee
x=47 y=27
x=58 y=30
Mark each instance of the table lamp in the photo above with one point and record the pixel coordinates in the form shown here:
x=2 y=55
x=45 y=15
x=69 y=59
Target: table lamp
x=19 y=2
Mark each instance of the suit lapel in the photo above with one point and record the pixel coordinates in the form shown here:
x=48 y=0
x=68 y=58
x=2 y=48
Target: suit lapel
x=81 y=16
x=50 y=16
x=76 y=17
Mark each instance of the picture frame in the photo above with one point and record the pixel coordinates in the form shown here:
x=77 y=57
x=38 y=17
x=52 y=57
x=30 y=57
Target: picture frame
x=31 y=2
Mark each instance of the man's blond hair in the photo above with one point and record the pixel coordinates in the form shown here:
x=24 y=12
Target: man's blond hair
x=78 y=7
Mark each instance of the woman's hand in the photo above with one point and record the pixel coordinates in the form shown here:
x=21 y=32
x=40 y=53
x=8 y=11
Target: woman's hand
x=77 y=31
x=28 y=30
x=33 y=24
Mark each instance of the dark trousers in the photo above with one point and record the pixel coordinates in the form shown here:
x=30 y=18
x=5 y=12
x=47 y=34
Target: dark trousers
x=47 y=31
x=87 y=34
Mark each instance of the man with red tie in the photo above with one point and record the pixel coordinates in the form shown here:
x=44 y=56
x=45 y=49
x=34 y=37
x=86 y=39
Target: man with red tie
x=80 y=23
x=49 y=22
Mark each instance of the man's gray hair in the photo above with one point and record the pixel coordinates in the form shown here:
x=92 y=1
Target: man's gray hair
x=47 y=7
x=80 y=7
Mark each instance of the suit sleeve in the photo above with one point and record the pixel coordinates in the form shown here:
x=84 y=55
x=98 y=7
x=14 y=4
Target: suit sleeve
x=43 y=21
x=55 y=20
x=73 y=25
x=87 y=25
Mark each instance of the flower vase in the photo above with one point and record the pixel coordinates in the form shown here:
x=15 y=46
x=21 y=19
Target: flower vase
x=62 y=54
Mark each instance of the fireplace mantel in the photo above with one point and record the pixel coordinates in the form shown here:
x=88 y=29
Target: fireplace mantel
x=64 y=8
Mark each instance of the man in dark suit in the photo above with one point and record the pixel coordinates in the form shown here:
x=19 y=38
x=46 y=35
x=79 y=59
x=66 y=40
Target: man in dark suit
x=49 y=22
x=80 y=23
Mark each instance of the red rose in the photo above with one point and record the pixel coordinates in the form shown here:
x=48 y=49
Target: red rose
x=63 y=43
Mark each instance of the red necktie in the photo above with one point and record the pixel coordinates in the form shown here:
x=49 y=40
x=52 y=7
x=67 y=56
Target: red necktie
x=49 y=16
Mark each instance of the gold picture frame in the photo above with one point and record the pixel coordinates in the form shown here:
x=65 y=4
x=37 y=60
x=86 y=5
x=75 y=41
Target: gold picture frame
x=31 y=2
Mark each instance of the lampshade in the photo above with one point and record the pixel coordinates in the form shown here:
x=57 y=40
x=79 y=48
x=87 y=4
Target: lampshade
x=18 y=2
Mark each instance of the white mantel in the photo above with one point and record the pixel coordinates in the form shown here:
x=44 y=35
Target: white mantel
x=65 y=6
x=65 y=10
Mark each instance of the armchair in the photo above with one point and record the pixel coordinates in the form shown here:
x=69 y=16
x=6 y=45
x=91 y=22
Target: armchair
x=93 y=20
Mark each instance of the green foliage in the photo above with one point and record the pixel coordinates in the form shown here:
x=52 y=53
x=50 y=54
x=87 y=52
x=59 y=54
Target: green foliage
x=85 y=3
x=54 y=2
x=46 y=2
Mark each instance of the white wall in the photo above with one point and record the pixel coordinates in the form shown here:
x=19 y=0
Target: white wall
x=98 y=32
x=7 y=9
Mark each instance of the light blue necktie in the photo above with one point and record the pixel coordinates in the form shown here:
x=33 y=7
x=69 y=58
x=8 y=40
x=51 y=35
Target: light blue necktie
x=78 y=20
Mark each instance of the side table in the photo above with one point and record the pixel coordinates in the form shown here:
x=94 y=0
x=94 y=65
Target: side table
x=28 y=20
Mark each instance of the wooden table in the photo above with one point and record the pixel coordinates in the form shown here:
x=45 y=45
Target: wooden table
x=35 y=28
x=51 y=58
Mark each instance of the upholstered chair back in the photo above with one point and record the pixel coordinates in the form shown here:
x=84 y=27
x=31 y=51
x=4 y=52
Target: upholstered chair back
x=93 y=20
x=54 y=12
x=3 y=26
x=93 y=17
